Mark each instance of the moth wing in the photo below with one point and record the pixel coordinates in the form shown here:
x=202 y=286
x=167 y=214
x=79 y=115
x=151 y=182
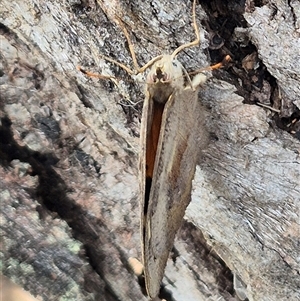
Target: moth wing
x=170 y=193
x=145 y=126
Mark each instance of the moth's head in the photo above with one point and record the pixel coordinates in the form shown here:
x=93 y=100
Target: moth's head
x=166 y=70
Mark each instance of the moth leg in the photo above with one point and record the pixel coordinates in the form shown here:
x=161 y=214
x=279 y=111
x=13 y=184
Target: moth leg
x=91 y=74
x=196 y=41
x=138 y=269
x=123 y=66
x=96 y=75
x=213 y=67
x=198 y=80
x=188 y=78
x=136 y=266
x=221 y=64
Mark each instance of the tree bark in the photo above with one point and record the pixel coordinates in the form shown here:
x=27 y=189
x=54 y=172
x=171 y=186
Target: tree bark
x=69 y=147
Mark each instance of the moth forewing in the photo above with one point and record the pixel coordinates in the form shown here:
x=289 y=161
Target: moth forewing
x=168 y=195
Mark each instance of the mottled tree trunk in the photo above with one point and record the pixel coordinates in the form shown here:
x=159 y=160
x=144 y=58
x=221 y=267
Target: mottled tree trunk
x=69 y=147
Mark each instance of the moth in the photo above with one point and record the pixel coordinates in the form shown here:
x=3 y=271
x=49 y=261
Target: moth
x=171 y=137
x=169 y=151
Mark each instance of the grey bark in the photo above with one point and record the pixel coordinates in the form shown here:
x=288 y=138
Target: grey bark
x=69 y=197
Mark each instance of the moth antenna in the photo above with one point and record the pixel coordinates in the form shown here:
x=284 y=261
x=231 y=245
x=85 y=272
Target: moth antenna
x=150 y=63
x=133 y=55
x=138 y=69
x=196 y=41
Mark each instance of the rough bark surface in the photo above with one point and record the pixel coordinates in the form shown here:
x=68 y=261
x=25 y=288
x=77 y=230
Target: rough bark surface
x=69 y=146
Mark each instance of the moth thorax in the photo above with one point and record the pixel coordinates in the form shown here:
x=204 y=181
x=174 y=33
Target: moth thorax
x=160 y=92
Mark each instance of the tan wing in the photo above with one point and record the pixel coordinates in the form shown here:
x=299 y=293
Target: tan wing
x=146 y=119
x=170 y=193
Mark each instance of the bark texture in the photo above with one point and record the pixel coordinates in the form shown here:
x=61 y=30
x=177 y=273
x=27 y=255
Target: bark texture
x=69 y=146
